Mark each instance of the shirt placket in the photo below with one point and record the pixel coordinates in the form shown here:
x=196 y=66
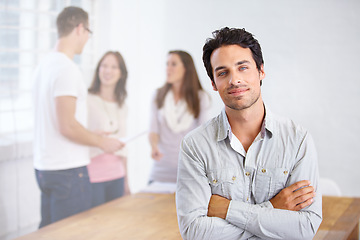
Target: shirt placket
x=248 y=172
x=250 y=168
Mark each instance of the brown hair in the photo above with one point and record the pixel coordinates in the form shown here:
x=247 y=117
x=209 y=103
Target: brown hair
x=190 y=87
x=69 y=19
x=120 y=88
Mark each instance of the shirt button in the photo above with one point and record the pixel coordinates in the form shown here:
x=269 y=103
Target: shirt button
x=233 y=178
x=263 y=170
x=214 y=181
x=247 y=174
x=247 y=199
x=80 y=175
x=285 y=172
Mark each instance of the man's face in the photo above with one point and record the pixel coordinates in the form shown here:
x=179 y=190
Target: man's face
x=236 y=77
x=84 y=35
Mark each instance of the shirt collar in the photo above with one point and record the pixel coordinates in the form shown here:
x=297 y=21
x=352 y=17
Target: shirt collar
x=268 y=123
x=224 y=126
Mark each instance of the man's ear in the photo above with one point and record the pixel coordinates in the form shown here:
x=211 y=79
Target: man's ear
x=261 y=72
x=78 y=28
x=214 y=86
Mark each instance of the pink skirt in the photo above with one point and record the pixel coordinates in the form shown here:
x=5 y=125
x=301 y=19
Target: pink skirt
x=106 y=167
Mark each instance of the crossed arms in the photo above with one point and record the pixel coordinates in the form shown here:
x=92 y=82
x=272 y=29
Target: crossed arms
x=292 y=214
x=295 y=197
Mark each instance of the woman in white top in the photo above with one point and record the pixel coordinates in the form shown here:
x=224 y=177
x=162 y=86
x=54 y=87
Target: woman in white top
x=107 y=115
x=179 y=106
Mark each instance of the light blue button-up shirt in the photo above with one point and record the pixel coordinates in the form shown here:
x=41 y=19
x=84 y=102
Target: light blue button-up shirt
x=213 y=161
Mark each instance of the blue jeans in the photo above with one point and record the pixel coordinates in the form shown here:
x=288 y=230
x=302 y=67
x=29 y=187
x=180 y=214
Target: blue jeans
x=103 y=192
x=63 y=193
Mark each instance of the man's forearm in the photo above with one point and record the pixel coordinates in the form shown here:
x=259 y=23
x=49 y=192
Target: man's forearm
x=75 y=132
x=69 y=126
x=213 y=228
x=246 y=214
x=269 y=223
x=218 y=206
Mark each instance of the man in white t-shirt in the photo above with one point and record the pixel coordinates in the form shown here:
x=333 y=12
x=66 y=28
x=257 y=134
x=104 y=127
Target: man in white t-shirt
x=61 y=140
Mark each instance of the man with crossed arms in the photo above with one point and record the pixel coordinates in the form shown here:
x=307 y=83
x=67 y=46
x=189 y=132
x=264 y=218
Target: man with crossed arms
x=247 y=173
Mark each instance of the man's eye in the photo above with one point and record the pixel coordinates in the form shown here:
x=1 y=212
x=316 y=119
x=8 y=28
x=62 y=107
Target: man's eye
x=242 y=68
x=221 y=74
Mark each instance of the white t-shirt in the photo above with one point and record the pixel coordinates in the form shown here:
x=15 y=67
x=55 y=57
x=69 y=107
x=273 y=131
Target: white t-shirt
x=57 y=75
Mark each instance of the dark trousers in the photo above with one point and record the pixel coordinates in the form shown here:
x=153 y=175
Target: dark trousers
x=103 y=192
x=63 y=193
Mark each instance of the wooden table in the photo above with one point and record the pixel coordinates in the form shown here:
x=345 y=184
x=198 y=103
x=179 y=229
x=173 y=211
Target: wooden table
x=153 y=216
x=340 y=219
x=138 y=216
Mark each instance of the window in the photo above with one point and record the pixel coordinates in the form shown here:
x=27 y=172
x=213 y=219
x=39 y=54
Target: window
x=27 y=32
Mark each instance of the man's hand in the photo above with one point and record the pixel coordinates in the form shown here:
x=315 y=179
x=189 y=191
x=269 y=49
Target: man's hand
x=218 y=206
x=295 y=197
x=110 y=145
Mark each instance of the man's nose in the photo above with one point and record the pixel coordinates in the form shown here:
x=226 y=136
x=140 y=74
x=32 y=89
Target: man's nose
x=234 y=79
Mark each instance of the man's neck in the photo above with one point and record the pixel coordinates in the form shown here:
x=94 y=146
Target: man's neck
x=65 y=45
x=246 y=124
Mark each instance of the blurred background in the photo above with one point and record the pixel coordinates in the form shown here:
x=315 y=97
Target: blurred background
x=311 y=51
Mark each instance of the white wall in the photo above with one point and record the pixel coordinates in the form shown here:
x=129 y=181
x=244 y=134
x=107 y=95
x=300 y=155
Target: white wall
x=311 y=60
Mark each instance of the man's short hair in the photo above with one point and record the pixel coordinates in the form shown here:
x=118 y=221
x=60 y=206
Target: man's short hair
x=69 y=19
x=231 y=36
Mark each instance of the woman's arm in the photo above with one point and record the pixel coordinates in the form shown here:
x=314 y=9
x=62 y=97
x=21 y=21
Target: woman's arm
x=154 y=140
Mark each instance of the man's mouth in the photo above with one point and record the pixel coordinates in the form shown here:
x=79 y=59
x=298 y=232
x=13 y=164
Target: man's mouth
x=238 y=91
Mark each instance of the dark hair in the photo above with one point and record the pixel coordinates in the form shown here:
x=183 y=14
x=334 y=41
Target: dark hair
x=120 y=88
x=70 y=18
x=231 y=36
x=190 y=87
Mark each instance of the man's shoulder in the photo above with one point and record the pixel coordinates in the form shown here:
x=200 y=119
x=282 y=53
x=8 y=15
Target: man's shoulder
x=207 y=130
x=287 y=127
x=58 y=63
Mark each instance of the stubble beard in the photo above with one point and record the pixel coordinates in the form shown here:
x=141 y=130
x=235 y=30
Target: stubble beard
x=233 y=103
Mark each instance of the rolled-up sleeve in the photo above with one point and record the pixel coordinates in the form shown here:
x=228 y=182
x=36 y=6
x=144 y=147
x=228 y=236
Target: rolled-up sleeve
x=192 y=199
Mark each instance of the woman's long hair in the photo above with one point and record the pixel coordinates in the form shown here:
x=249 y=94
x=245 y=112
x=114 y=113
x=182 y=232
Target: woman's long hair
x=120 y=88
x=190 y=87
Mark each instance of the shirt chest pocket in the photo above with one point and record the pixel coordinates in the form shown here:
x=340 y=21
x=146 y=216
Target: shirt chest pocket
x=223 y=182
x=268 y=182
